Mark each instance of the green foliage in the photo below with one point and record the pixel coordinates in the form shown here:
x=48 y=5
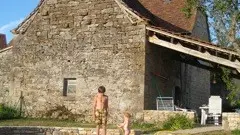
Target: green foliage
x=223 y=19
x=187 y=10
x=178 y=122
x=235 y=132
x=234 y=95
x=7 y=112
x=146 y=127
x=142 y=125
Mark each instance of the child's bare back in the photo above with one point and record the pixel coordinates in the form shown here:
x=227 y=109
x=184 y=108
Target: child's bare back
x=100 y=109
x=101 y=101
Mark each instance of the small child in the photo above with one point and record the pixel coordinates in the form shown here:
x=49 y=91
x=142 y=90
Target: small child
x=126 y=123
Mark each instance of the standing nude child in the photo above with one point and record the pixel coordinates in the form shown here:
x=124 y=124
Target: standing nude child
x=126 y=123
x=100 y=109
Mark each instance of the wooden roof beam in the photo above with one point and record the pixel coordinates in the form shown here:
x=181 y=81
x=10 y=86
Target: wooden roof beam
x=192 y=41
x=205 y=56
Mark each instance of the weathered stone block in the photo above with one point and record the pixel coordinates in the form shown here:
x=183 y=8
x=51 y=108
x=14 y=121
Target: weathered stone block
x=73 y=3
x=83 y=12
x=52 y=2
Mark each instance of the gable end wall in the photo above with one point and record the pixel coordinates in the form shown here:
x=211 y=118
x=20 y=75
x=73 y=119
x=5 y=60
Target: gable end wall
x=90 y=40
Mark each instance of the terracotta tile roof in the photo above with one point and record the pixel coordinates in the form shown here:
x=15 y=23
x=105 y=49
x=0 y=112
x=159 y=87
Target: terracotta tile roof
x=167 y=15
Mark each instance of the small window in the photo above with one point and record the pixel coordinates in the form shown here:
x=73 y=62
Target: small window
x=167 y=1
x=69 y=86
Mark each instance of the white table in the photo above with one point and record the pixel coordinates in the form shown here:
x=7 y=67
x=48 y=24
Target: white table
x=204 y=112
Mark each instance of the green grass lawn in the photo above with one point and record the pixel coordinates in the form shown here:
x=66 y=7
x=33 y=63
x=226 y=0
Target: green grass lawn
x=146 y=128
x=44 y=122
x=236 y=132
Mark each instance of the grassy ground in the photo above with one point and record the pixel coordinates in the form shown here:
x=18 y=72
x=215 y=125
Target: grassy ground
x=146 y=128
x=236 y=132
x=44 y=122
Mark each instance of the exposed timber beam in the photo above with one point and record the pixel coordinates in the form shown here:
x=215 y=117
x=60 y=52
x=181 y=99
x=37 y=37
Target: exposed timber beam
x=202 y=44
x=205 y=56
x=199 y=48
x=5 y=49
x=128 y=11
x=195 y=63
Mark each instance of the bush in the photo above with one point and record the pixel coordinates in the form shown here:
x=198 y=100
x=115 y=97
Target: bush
x=178 y=122
x=7 y=112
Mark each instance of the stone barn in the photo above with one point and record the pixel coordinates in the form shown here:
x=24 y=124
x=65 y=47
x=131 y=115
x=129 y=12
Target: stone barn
x=138 y=49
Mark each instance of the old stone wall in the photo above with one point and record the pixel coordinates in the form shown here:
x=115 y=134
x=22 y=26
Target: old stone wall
x=91 y=41
x=230 y=121
x=94 y=43
x=57 y=131
x=6 y=60
x=196 y=86
x=154 y=116
x=162 y=75
x=196 y=81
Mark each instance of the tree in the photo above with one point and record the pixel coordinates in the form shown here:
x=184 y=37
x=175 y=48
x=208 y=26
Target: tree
x=224 y=22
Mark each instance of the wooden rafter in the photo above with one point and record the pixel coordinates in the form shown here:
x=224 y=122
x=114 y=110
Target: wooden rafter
x=128 y=12
x=200 y=44
x=202 y=55
x=5 y=49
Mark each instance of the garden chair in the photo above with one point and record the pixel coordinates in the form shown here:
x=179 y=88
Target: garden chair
x=215 y=108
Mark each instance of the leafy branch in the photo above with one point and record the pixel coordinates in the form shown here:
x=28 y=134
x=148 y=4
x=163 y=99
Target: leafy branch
x=234 y=95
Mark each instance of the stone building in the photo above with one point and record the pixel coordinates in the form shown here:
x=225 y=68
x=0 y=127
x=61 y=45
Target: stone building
x=65 y=49
x=3 y=41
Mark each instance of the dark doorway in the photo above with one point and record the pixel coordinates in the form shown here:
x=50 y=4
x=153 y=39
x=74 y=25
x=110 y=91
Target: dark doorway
x=177 y=96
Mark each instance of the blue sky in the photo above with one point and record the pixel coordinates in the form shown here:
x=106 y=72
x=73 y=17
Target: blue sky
x=13 y=12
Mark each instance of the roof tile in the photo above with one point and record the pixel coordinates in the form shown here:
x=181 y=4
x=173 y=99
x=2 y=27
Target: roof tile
x=164 y=14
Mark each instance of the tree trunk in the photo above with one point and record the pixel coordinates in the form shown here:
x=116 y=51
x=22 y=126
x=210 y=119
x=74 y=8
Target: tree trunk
x=233 y=28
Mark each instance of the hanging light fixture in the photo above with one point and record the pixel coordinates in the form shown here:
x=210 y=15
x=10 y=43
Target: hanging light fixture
x=214 y=79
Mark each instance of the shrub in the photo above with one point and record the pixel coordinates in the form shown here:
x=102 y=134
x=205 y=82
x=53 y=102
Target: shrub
x=7 y=112
x=178 y=122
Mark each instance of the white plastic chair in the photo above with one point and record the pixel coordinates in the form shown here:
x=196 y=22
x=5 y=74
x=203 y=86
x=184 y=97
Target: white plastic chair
x=215 y=108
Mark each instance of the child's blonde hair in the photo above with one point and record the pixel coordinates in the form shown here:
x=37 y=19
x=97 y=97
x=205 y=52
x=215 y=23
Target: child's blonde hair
x=127 y=114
